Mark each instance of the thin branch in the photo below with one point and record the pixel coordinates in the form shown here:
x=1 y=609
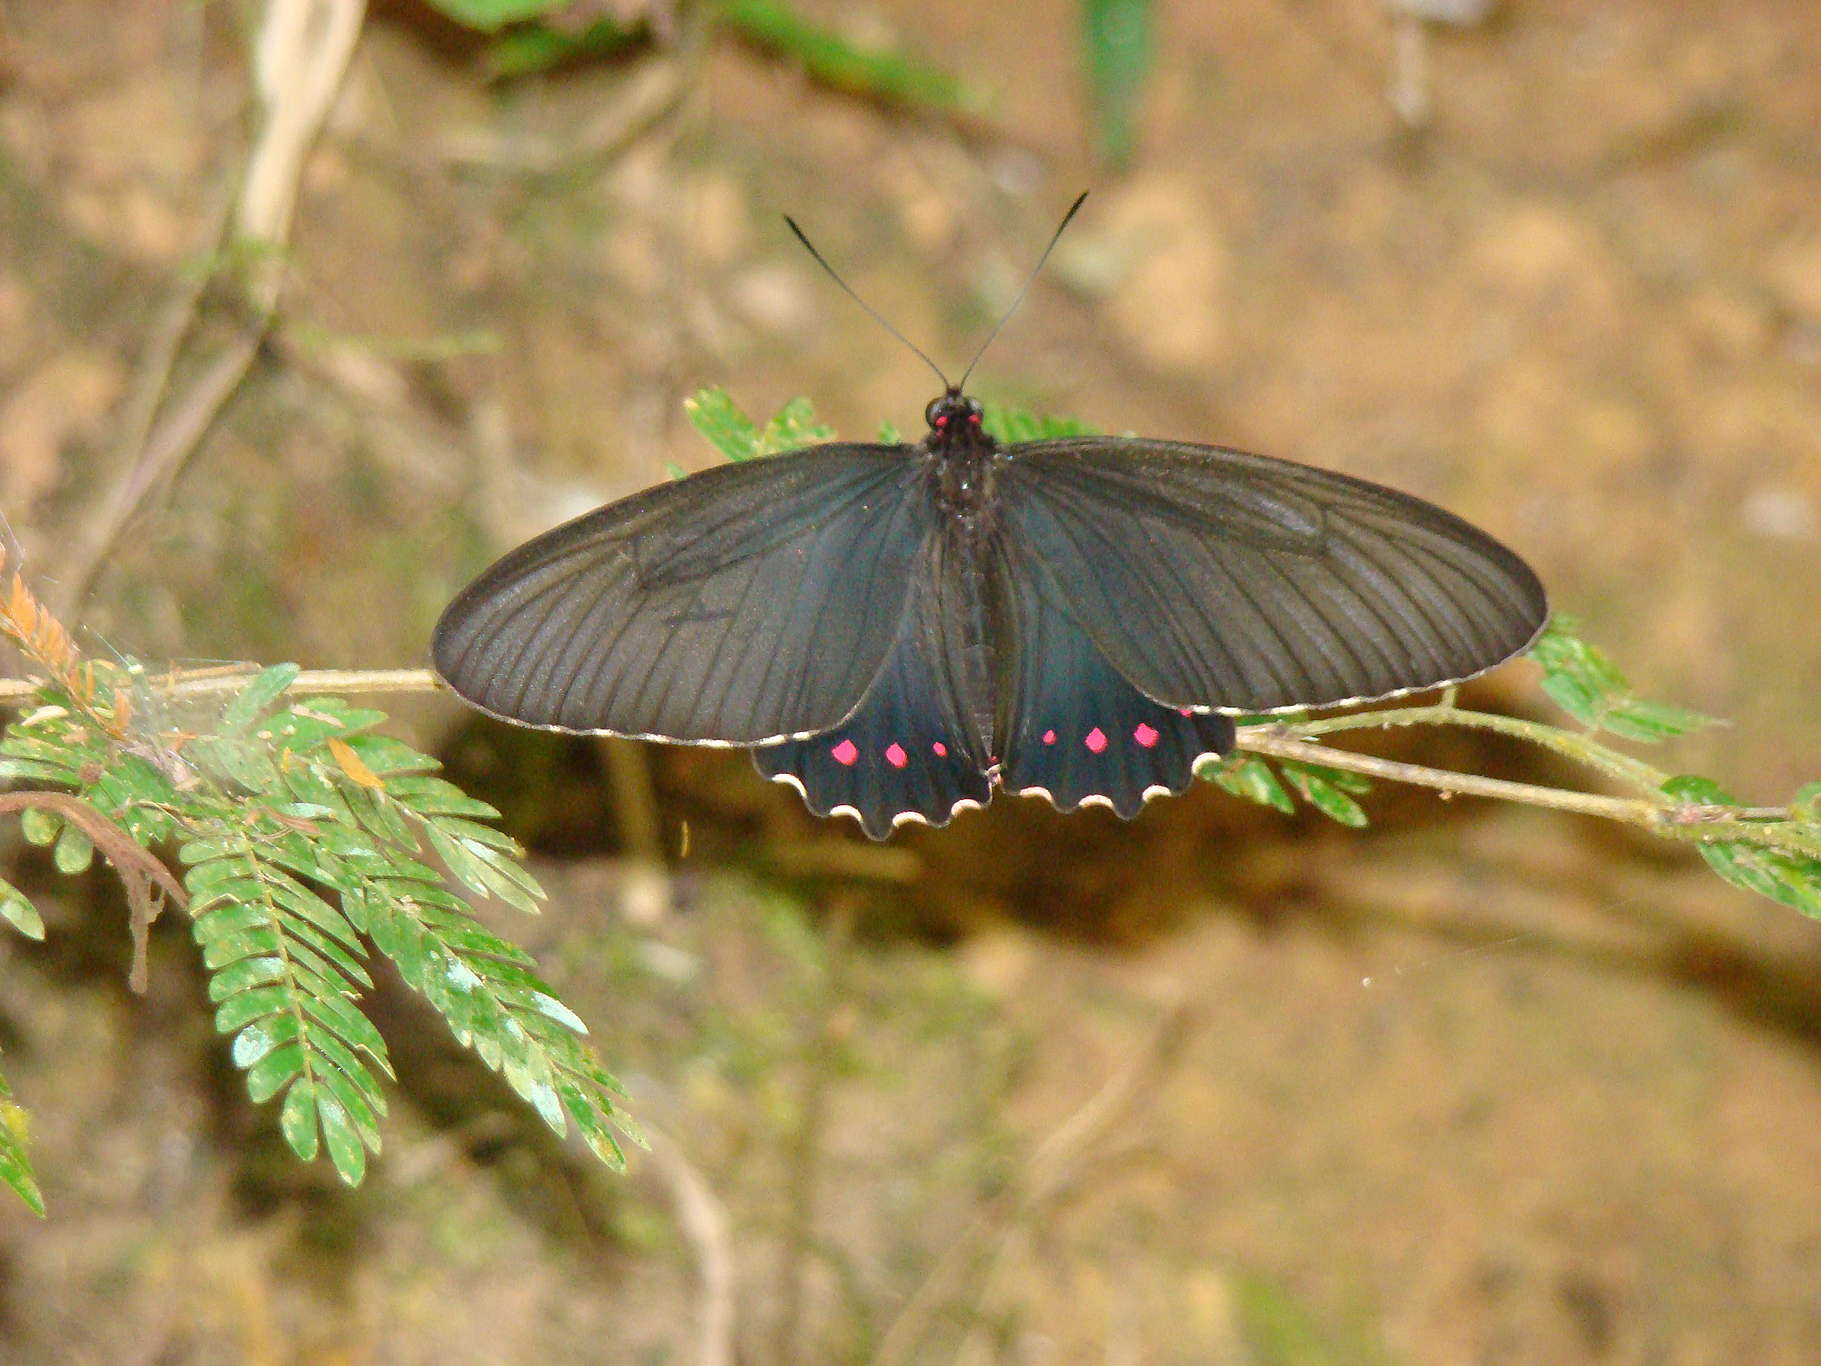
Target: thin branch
x=1580 y=748
x=164 y=343
x=192 y=684
x=167 y=449
x=145 y=879
x=1280 y=743
x=1658 y=813
x=1694 y=822
x=301 y=53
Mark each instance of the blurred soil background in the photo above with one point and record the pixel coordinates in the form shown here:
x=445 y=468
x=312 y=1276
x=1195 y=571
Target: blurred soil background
x=1475 y=1085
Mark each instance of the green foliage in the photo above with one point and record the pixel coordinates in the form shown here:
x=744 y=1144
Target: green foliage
x=830 y=58
x=1807 y=804
x=308 y=841
x=726 y=427
x=1117 y=42
x=737 y=437
x=723 y=424
x=530 y=36
x=15 y=1166
x=536 y=35
x=1247 y=775
x=489 y=16
x=20 y=913
x=791 y=428
x=1007 y=425
x=526 y=49
x=1791 y=877
x=1583 y=682
x=1325 y=789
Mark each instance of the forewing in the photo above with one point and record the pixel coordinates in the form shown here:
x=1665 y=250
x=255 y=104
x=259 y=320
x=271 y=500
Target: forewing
x=1213 y=578
x=908 y=753
x=742 y=604
x=1073 y=729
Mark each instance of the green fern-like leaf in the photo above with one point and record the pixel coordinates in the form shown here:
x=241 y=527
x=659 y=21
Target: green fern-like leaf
x=1248 y=776
x=51 y=746
x=1006 y=424
x=1790 y=878
x=1586 y=684
x=308 y=840
x=485 y=988
x=19 y=912
x=723 y=424
x=726 y=427
x=792 y=427
x=828 y=56
x=15 y=1165
x=286 y=971
x=1326 y=789
x=382 y=817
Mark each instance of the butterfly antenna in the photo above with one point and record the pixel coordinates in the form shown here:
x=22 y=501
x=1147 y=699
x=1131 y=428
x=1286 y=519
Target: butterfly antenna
x=1025 y=289
x=871 y=312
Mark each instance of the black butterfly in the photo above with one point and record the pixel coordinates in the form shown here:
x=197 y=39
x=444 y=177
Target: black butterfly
x=896 y=630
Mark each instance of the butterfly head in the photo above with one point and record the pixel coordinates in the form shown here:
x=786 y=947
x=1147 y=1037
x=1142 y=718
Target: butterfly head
x=952 y=415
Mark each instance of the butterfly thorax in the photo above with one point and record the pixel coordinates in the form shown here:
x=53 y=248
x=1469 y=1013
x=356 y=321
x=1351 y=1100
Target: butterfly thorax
x=963 y=471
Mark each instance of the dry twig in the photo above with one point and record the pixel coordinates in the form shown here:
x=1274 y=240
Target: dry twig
x=300 y=55
x=146 y=880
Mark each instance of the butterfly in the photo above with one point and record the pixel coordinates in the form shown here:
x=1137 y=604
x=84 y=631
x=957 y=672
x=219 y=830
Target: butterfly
x=900 y=630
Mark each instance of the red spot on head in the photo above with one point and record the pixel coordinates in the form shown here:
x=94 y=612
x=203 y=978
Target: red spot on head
x=846 y=753
x=974 y=419
x=941 y=420
x=1049 y=737
x=895 y=755
x=941 y=750
x=1096 y=740
x=1145 y=735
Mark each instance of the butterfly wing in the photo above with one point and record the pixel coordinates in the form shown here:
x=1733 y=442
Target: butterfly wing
x=746 y=603
x=1211 y=578
x=910 y=752
x=1072 y=728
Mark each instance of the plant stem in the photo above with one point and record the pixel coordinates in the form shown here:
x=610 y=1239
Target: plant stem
x=1656 y=812
x=218 y=682
x=1279 y=743
x=1583 y=750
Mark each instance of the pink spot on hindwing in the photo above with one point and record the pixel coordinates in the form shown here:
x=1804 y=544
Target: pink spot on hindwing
x=895 y=755
x=1145 y=735
x=1096 y=740
x=846 y=753
x=1186 y=711
x=1049 y=737
x=941 y=750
